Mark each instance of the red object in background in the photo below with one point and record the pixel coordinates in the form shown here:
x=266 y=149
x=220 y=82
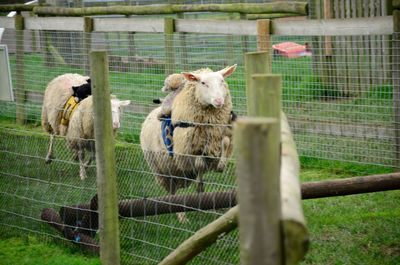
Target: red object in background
x=289 y=49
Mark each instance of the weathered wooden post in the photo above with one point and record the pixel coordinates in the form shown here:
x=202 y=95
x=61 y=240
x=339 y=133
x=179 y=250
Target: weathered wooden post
x=106 y=175
x=257 y=149
x=264 y=40
x=169 y=28
x=264 y=99
x=87 y=42
x=396 y=84
x=20 y=69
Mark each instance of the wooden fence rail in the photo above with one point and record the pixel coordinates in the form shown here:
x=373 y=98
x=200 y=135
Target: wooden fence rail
x=309 y=27
x=290 y=7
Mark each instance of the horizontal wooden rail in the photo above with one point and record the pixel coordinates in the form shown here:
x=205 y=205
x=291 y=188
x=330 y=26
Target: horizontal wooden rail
x=17 y=7
x=7 y=22
x=307 y=27
x=155 y=25
x=300 y=8
x=234 y=27
x=59 y=23
x=227 y=199
x=263 y=8
x=332 y=27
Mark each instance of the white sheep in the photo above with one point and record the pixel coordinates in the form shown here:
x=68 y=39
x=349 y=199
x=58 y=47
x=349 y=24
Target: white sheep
x=80 y=134
x=202 y=138
x=57 y=93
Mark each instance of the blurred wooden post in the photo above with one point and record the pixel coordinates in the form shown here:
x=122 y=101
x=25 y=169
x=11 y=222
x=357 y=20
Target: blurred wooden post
x=182 y=40
x=169 y=28
x=328 y=39
x=87 y=42
x=264 y=39
x=255 y=63
x=264 y=91
x=244 y=38
x=396 y=85
x=20 y=69
x=106 y=174
x=257 y=149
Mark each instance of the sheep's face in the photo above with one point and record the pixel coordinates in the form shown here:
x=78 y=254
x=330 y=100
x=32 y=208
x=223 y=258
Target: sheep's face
x=116 y=111
x=211 y=88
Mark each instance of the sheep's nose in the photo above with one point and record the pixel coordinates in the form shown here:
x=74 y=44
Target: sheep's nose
x=116 y=124
x=218 y=102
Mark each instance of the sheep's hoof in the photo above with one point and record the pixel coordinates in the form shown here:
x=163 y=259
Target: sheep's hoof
x=221 y=165
x=182 y=218
x=48 y=159
x=82 y=173
x=200 y=187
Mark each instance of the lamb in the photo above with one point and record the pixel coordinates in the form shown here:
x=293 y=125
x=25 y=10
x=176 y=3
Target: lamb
x=83 y=91
x=202 y=138
x=80 y=134
x=57 y=93
x=172 y=83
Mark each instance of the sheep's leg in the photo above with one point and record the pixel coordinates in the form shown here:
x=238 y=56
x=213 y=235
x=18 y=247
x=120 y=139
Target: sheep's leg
x=223 y=160
x=200 y=184
x=181 y=216
x=76 y=156
x=82 y=169
x=49 y=156
x=91 y=158
x=201 y=166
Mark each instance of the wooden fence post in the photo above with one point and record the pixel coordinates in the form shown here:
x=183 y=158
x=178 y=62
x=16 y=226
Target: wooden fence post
x=264 y=39
x=255 y=63
x=169 y=28
x=20 y=69
x=87 y=42
x=257 y=149
x=106 y=175
x=264 y=100
x=396 y=85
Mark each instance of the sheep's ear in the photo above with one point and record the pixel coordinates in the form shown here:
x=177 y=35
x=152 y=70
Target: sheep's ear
x=124 y=102
x=190 y=77
x=227 y=70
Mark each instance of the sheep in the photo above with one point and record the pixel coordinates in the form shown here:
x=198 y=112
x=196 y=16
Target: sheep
x=201 y=115
x=80 y=134
x=57 y=93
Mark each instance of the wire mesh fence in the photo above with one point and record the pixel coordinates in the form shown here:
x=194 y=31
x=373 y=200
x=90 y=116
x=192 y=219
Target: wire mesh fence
x=337 y=94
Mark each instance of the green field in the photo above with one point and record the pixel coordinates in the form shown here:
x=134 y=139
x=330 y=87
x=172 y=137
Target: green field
x=359 y=229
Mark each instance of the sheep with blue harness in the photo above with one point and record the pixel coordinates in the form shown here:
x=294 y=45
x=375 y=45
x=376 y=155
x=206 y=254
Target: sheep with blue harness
x=197 y=138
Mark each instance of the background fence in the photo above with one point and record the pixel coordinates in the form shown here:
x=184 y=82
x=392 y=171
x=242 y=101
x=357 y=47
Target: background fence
x=340 y=108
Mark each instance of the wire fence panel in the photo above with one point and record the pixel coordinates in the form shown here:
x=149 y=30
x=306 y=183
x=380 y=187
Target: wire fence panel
x=340 y=107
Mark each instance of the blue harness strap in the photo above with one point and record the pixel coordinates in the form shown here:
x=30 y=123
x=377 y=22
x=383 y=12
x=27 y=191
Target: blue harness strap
x=167 y=132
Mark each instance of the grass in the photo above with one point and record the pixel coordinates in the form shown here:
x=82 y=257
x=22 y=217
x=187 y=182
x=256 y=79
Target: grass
x=30 y=251
x=359 y=229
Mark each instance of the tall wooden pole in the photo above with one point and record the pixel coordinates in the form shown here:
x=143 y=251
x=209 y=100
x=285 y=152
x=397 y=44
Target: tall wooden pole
x=264 y=40
x=20 y=69
x=106 y=175
x=87 y=42
x=396 y=85
x=257 y=149
x=169 y=28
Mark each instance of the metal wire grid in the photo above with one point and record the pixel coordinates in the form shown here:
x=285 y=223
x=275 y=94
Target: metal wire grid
x=337 y=112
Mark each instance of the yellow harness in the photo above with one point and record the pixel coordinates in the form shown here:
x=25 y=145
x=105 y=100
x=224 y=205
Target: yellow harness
x=68 y=111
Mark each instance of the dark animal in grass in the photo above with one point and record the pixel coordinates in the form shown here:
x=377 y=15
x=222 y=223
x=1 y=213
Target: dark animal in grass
x=83 y=91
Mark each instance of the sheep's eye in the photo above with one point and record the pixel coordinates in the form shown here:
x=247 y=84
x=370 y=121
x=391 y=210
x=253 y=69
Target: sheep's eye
x=203 y=83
